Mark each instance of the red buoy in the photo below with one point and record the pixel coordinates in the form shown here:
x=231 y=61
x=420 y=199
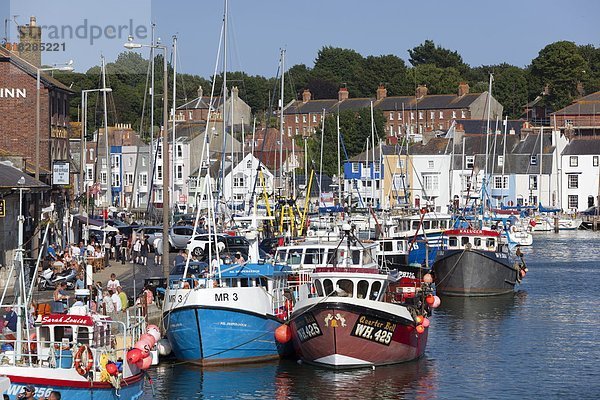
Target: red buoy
x=283 y=334
x=420 y=329
x=429 y=299
x=134 y=355
x=112 y=369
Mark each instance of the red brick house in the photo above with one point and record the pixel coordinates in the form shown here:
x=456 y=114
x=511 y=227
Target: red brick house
x=416 y=114
x=18 y=110
x=582 y=117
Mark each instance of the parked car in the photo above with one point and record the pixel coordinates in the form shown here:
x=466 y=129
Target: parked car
x=152 y=232
x=179 y=236
x=198 y=246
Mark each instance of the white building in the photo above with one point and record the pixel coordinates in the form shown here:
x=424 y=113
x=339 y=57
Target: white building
x=580 y=164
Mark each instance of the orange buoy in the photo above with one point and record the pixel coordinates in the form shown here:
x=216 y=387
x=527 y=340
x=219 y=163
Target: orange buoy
x=134 y=355
x=283 y=334
x=420 y=329
x=419 y=319
x=429 y=299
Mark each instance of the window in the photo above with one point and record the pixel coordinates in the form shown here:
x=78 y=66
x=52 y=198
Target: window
x=430 y=164
x=158 y=195
x=500 y=182
x=143 y=161
x=345 y=288
x=573 y=161
x=441 y=115
x=490 y=242
x=355 y=168
x=115 y=180
x=238 y=181
x=249 y=164
x=470 y=162
x=454 y=114
x=289 y=131
x=313 y=256
x=430 y=182
x=130 y=161
x=377 y=167
x=159 y=172
x=400 y=163
x=314 y=118
x=103 y=177
x=533 y=182
x=128 y=181
x=296 y=119
x=89 y=173
x=399 y=116
x=361 y=289
x=412 y=116
x=573 y=182
x=533 y=159
x=398 y=182
x=464 y=240
x=595 y=161
x=432 y=115
x=319 y=287
x=477 y=242
x=143 y=179
x=159 y=151
x=452 y=241
x=391 y=116
x=420 y=114
x=500 y=161
x=179 y=172
x=104 y=162
x=297 y=131
x=463 y=115
x=573 y=201
x=179 y=151
x=375 y=288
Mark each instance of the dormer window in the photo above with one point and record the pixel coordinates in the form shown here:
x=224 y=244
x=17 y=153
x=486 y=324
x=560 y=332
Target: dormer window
x=533 y=159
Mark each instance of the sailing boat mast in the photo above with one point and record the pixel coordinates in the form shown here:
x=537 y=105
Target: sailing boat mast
x=487 y=132
x=174 y=147
x=339 y=161
x=321 y=160
x=541 y=165
x=503 y=161
x=373 y=161
x=281 y=119
x=106 y=147
x=224 y=102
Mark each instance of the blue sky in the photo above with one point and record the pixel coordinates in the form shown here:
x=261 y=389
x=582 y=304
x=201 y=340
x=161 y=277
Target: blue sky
x=482 y=32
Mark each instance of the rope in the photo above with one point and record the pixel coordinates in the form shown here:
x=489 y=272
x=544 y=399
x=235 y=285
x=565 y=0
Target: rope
x=453 y=267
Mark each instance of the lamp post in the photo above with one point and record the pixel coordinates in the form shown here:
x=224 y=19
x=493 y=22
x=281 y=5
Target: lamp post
x=84 y=96
x=165 y=151
x=67 y=67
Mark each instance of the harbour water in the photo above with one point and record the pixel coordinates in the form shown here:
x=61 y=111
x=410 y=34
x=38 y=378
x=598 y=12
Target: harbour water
x=541 y=342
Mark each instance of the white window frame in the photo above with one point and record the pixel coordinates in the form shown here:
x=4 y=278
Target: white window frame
x=572 y=181
x=573 y=201
x=573 y=161
x=595 y=162
x=355 y=168
x=533 y=182
x=469 y=160
x=500 y=161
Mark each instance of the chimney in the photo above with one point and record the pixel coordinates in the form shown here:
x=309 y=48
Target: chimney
x=381 y=92
x=463 y=88
x=421 y=91
x=306 y=96
x=235 y=92
x=200 y=92
x=30 y=36
x=343 y=94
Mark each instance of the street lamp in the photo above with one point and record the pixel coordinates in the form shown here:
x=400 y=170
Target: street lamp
x=67 y=67
x=84 y=96
x=130 y=45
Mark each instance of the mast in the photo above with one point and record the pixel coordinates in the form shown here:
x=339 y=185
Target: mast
x=321 y=161
x=541 y=165
x=487 y=133
x=281 y=118
x=373 y=161
x=224 y=102
x=174 y=148
x=106 y=147
x=503 y=160
x=339 y=161
x=231 y=100
x=151 y=150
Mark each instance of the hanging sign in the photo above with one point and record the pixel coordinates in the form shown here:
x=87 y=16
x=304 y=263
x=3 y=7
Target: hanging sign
x=60 y=173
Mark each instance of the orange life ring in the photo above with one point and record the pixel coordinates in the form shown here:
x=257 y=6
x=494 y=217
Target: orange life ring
x=79 y=367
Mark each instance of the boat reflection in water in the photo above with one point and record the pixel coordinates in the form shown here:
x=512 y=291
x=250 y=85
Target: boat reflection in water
x=480 y=308
x=287 y=379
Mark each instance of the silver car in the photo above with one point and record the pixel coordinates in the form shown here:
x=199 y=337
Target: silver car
x=180 y=235
x=152 y=232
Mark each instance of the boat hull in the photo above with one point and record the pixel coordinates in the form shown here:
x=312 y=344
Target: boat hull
x=473 y=273
x=131 y=388
x=221 y=336
x=340 y=335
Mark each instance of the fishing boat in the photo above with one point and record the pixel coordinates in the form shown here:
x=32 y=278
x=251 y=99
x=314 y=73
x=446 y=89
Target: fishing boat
x=474 y=262
x=358 y=314
x=81 y=354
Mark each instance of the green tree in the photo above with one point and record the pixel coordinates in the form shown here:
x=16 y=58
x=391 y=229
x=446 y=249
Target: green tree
x=561 y=67
x=438 y=80
x=591 y=78
x=429 y=53
x=341 y=67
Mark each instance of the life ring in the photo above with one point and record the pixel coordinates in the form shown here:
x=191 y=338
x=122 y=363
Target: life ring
x=79 y=366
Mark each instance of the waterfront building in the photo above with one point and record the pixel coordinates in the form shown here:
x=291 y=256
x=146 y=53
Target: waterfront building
x=580 y=166
x=580 y=118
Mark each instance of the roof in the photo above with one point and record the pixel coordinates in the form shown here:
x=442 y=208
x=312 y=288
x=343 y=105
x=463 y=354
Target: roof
x=583 y=146
x=588 y=105
x=201 y=102
x=47 y=80
x=9 y=176
x=388 y=150
x=311 y=106
x=480 y=125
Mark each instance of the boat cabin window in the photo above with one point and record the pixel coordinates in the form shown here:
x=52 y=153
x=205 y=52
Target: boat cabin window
x=375 y=288
x=63 y=332
x=367 y=256
x=295 y=258
x=415 y=225
x=362 y=289
x=452 y=241
x=387 y=246
x=345 y=288
x=426 y=224
x=280 y=256
x=102 y=335
x=490 y=242
x=464 y=240
x=444 y=224
x=477 y=242
x=44 y=337
x=331 y=258
x=327 y=287
x=435 y=224
x=355 y=257
x=312 y=256
x=83 y=335
x=319 y=287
